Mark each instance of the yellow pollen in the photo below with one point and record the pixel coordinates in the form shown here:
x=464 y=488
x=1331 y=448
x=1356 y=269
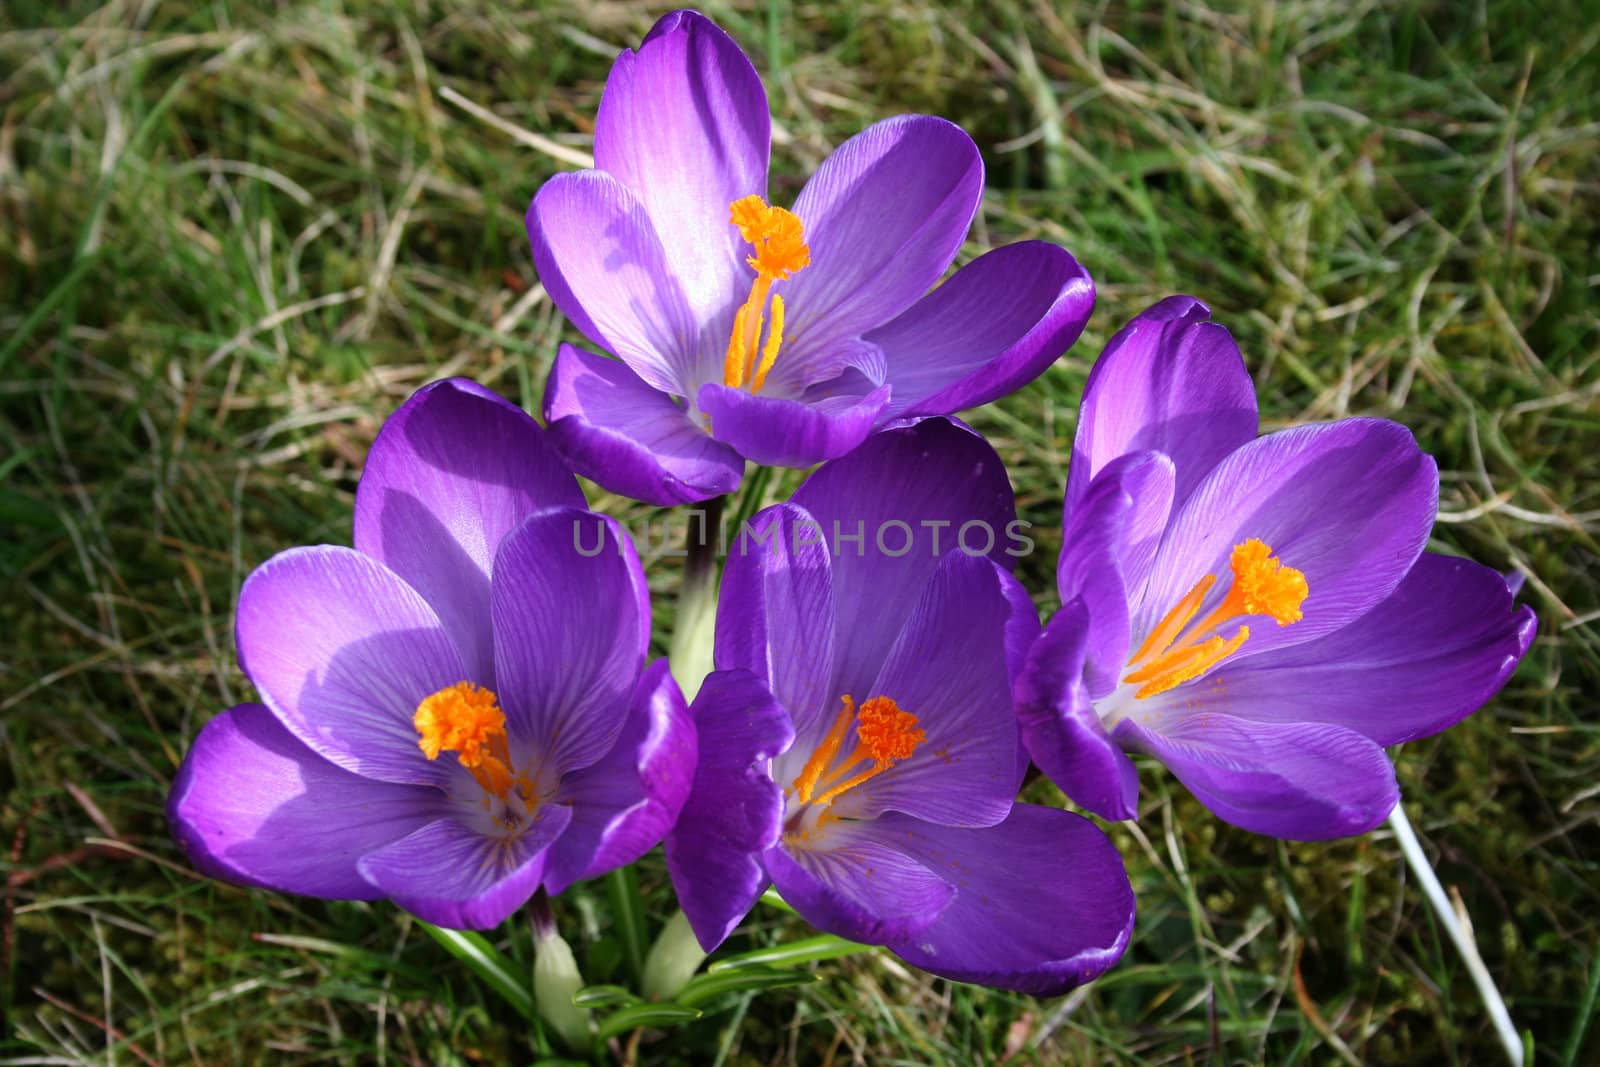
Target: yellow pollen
x=467 y=720
x=777 y=238
x=1262 y=585
x=885 y=735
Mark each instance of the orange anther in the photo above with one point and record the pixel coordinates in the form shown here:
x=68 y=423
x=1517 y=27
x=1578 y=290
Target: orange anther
x=1262 y=585
x=466 y=719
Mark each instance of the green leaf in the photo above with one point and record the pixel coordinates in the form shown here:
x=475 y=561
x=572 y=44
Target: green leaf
x=710 y=986
x=489 y=964
x=626 y=903
x=603 y=996
x=629 y=1019
x=791 y=954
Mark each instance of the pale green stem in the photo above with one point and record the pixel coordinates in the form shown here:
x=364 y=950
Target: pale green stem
x=673 y=959
x=556 y=978
x=695 y=623
x=1460 y=932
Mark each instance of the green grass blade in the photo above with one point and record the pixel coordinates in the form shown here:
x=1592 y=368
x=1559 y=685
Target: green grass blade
x=489 y=964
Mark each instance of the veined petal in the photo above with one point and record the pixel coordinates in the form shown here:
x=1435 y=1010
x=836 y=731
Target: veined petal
x=1042 y=901
x=451 y=875
x=451 y=473
x=1107 y=549
x=857 y=883
x=604 y=266
x=631 y=438
x=781 y=432
x=735 y=809
x=775 y=615
x=1301 y=781
x=884 y=216
x=624 y=805
x=1432 y=653
x=1169 y=381
x=1060 y=728
x=571 y=626
x=1348 y=503
x=890 y=511
x=683 y=124
x=988 y=331
x=253 y=805
x=948 y=668
x=343 y=651
x=848 y=366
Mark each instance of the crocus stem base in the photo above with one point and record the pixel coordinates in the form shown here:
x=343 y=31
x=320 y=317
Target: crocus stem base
x=556 y=978
x=673 y=959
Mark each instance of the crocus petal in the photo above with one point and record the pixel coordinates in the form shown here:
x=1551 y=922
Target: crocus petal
x=988 y=331
x=857 y=883
x=891 y=510
x=1170 y=381
x=735 y=809
x=343 y=651
x=1042 y=901
x=624 y=805
x=571 y=626
x=451 y=473
x=603 y=265
x=948 y=668
x=1422 y=660
x=684 y=125
x=781 y=432
x=1349 y=503
x=1301 y=781
x=1060 y=728
x=775 y=615
x=631 y=438
x=253 y=805
x=847 y=366
x=451 y=875
x=884 y=216
x=1107 y=549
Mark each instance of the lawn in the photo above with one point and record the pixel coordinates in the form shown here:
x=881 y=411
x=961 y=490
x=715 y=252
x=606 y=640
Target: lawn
x=234 y=236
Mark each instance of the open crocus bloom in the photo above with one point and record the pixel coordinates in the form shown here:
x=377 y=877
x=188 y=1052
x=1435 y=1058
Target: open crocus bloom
x=1256 y=613
x=859 y=748
x=454 y=712
x=748 y=331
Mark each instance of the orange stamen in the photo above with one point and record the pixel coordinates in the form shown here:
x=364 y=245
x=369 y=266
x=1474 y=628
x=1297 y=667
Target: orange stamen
x=1186 y=664
x=822 y=758
x=1167 y=631
x=1262 y=585
x=769 y=352
x=467 y=720
x=886 y=734
x=777 y=238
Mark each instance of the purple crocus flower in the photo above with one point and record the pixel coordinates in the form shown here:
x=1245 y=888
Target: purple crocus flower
x=1256 y=613
x=859 y=747
x=453 y=712
x=747 y=331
